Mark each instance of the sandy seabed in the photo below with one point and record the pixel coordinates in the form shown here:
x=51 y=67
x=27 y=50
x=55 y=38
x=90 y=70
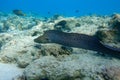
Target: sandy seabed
x=9 y=71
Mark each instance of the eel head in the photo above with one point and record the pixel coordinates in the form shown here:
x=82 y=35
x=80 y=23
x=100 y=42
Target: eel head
x=45 y=38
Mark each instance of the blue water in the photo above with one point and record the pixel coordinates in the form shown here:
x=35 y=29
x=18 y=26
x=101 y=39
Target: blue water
x=62 y=7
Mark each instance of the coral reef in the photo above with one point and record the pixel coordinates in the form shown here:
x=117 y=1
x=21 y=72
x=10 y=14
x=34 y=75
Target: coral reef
x=55 y=71
x=4 y=38
x=115 y=22
x=111 y=37
x=16 y=23
x=61 y=25
x=82 y=66
x=111 y=73
x=52 y=61
x=27 y=51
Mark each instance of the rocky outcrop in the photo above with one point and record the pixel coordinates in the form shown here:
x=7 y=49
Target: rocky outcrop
x=111 y=73
x=111 y=37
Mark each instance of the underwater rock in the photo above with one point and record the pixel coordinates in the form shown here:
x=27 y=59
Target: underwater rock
x=35 y=33
x=49 y=68
x=66 y=24
x=4 y=37
x=17 y=23
x=8 y=26
x=25 y=57
x=77 y=25
x=61 y=25
x=88 y=24
x=21 y=50
x=37 y=21
x=110 y=38
x=20 y=77
x=55 y=50
x=111 y=73
x=9 y=71
x=82 y=66
x=12 y=50
x=19 y=12
x=114 y=23
x=45 y=50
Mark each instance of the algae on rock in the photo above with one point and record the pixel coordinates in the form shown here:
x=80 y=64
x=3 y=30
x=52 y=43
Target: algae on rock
x=111 y=37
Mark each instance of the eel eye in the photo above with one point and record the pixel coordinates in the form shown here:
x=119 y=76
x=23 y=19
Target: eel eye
x=47 y=39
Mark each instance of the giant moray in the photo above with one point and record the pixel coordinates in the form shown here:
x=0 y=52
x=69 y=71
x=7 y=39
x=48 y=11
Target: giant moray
x=75 y=40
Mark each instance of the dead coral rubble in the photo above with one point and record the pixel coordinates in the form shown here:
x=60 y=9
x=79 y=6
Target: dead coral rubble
x=111 y=73
x=111 y=37
x=115 y=22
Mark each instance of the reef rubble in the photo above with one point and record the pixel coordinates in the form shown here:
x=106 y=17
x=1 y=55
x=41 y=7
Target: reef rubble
x=52 y=61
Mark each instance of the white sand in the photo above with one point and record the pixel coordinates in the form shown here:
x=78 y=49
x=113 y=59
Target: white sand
x=9 y=71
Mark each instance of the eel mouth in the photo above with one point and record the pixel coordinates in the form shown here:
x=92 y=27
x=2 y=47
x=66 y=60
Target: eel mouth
x=36 y=40
x=39 y=40
x=42 y=39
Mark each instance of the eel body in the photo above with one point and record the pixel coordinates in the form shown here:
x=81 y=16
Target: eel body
x=74 y=40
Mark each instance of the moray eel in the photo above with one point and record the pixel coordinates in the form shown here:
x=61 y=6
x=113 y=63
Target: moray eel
x=74 y=40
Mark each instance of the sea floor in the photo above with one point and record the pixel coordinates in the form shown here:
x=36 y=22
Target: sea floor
x=23 y=59
x=9 y=71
